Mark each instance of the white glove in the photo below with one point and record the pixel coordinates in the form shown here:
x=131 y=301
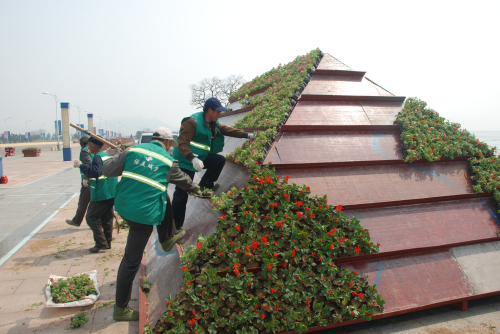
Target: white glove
x=251 y=136
x=85 y=183
x=77 y=163
x=197 y=164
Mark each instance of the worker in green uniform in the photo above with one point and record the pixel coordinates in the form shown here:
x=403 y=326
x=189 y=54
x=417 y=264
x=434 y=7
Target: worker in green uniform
x=100 y=212
x=83 y=201
x=142 y=201
x=201 y=137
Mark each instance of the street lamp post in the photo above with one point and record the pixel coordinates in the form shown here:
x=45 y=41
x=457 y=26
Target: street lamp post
x=7 y=137
x=78 y=114
x=27 y=130
x=57 y=119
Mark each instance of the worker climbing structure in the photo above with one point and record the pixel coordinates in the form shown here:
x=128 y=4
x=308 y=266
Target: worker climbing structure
x=351 y=205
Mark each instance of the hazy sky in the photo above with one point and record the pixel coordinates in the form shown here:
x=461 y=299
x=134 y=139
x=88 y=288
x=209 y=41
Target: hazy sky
x=117 y=58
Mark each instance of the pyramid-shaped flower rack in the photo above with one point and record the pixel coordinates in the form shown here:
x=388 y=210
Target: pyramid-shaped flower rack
x=270 y=266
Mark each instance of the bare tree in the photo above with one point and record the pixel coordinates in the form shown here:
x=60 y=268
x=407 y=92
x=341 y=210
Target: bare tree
x=215 y=87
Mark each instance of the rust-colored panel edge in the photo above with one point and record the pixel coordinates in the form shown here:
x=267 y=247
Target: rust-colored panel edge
x=340 y=73
x=362 y=163
x=143 y=302
x=415 y=201
x=235 y=112
x=255 y=92
x=306 y=128
x=394 y=313
x=315 y=97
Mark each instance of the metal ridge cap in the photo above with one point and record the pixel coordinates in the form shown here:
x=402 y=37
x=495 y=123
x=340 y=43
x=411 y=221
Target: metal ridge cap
x=339 y=60
x=322 y=127
x=335 y=164
x=325 y=97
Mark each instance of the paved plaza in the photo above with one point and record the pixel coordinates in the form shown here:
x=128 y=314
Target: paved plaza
x=35 y=242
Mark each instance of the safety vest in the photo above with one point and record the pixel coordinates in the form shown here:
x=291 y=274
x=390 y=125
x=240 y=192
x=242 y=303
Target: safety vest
x=86 y=148
x=141 y=195
x=202 y=143
x=104 y=187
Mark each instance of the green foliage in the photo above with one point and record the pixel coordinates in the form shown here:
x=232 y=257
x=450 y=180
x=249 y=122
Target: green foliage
x=425 y=135
x=66 y=290
x=79 y=319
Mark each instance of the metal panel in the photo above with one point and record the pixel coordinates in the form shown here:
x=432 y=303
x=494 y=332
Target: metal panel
x=322 y=146
x=356 y=185
x=430 y=225
x=330 y=63
x=481 y=265
x=340 y=85
x=411 y=281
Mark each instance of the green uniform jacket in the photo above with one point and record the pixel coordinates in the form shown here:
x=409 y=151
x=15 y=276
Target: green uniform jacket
x=202 y=143
x=141 y=195
x=86 y=148
x=105 y=187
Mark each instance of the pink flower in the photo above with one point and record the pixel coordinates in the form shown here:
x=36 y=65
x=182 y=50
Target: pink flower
x=83 y=294
x=72 y=287
x=67 y=296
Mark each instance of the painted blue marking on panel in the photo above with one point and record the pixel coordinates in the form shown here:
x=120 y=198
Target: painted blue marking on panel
x=493 y=213
x=375 y=146
x=379 y=270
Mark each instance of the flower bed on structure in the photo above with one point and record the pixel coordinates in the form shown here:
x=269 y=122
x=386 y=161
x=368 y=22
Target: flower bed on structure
x=426 y=135
x=269 y=267
x=272 y=108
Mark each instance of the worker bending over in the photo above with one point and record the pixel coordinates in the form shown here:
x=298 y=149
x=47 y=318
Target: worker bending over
x=142 y=201
x=201 y=137
x=83 y=201
x=100 y=212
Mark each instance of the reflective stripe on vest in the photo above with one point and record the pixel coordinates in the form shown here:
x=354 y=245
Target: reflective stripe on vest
x=102 y=177
x=152 y=154
x=144 y=179
x=203 y=147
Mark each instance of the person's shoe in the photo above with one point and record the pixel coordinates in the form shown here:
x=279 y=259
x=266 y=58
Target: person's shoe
x=96 y=249
x=169 y=243
x=179 y=230
x=125 y=314
x=72 y=223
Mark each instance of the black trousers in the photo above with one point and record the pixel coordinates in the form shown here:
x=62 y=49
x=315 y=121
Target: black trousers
x=100 y=219
x=83 y=203
x=213 y=164
x=137 y=239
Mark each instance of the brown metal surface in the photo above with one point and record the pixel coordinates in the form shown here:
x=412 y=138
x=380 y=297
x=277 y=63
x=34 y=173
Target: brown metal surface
x=341 y=85
x=331 y=63
x=359 y=185
x=326 y=97
x=411 y=281
x=430 y=225
x=333 y=146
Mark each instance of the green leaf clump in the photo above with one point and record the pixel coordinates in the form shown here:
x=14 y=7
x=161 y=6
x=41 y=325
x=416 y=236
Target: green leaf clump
x=272 y=260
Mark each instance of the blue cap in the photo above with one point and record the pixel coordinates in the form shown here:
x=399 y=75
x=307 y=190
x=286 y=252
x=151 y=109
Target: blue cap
x=213 y=103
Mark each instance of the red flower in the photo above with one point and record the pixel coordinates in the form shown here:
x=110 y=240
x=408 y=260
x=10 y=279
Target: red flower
x=357 y=249
x=286 y=196
x=299 y=204
x=222 y=217
x=300 y=215
x=184 y=268
x=273 y=290
x=287 y=178
x=238 y=228
x=338 y=208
